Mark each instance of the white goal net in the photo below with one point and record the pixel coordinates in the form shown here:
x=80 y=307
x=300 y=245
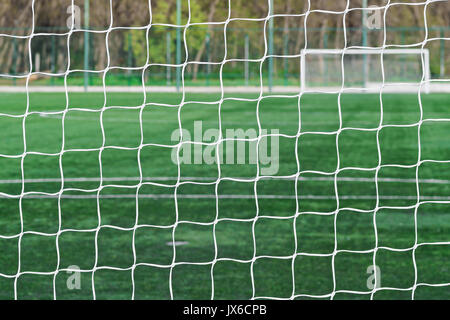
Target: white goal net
x=144 y=196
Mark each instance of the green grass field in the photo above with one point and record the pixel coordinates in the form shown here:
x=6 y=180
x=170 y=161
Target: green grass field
x=356 y=196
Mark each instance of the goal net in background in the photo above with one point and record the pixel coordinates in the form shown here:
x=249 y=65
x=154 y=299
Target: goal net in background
x=221 y=151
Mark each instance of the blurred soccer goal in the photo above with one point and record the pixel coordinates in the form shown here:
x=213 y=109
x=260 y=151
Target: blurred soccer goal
x=371 y=69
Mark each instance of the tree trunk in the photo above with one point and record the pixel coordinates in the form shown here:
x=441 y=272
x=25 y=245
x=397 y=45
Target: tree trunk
x=201 y=50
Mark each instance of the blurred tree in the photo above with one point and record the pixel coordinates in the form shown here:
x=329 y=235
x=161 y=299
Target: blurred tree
x=16 y=18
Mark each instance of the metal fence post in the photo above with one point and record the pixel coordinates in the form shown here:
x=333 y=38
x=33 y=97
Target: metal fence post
x=53 y=60
x=246 y=57
x=86 y=44
x=168 y=58
x=285 y=53
x=270 y=46
x=178 y=62
x=364 y=42
x=208 y=66
x=442 y=54
x=14 y=66
x=130 y=56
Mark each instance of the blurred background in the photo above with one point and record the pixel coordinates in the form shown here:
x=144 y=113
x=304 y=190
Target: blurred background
x=404 y=25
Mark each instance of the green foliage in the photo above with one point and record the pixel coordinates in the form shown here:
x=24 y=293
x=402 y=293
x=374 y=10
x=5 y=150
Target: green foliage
x=157 y=34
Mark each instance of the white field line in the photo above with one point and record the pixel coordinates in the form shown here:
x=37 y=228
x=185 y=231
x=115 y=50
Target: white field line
x=435 y=86
x=225 y=196
x=228 y=196
x=209 y=179
x=58 y=115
